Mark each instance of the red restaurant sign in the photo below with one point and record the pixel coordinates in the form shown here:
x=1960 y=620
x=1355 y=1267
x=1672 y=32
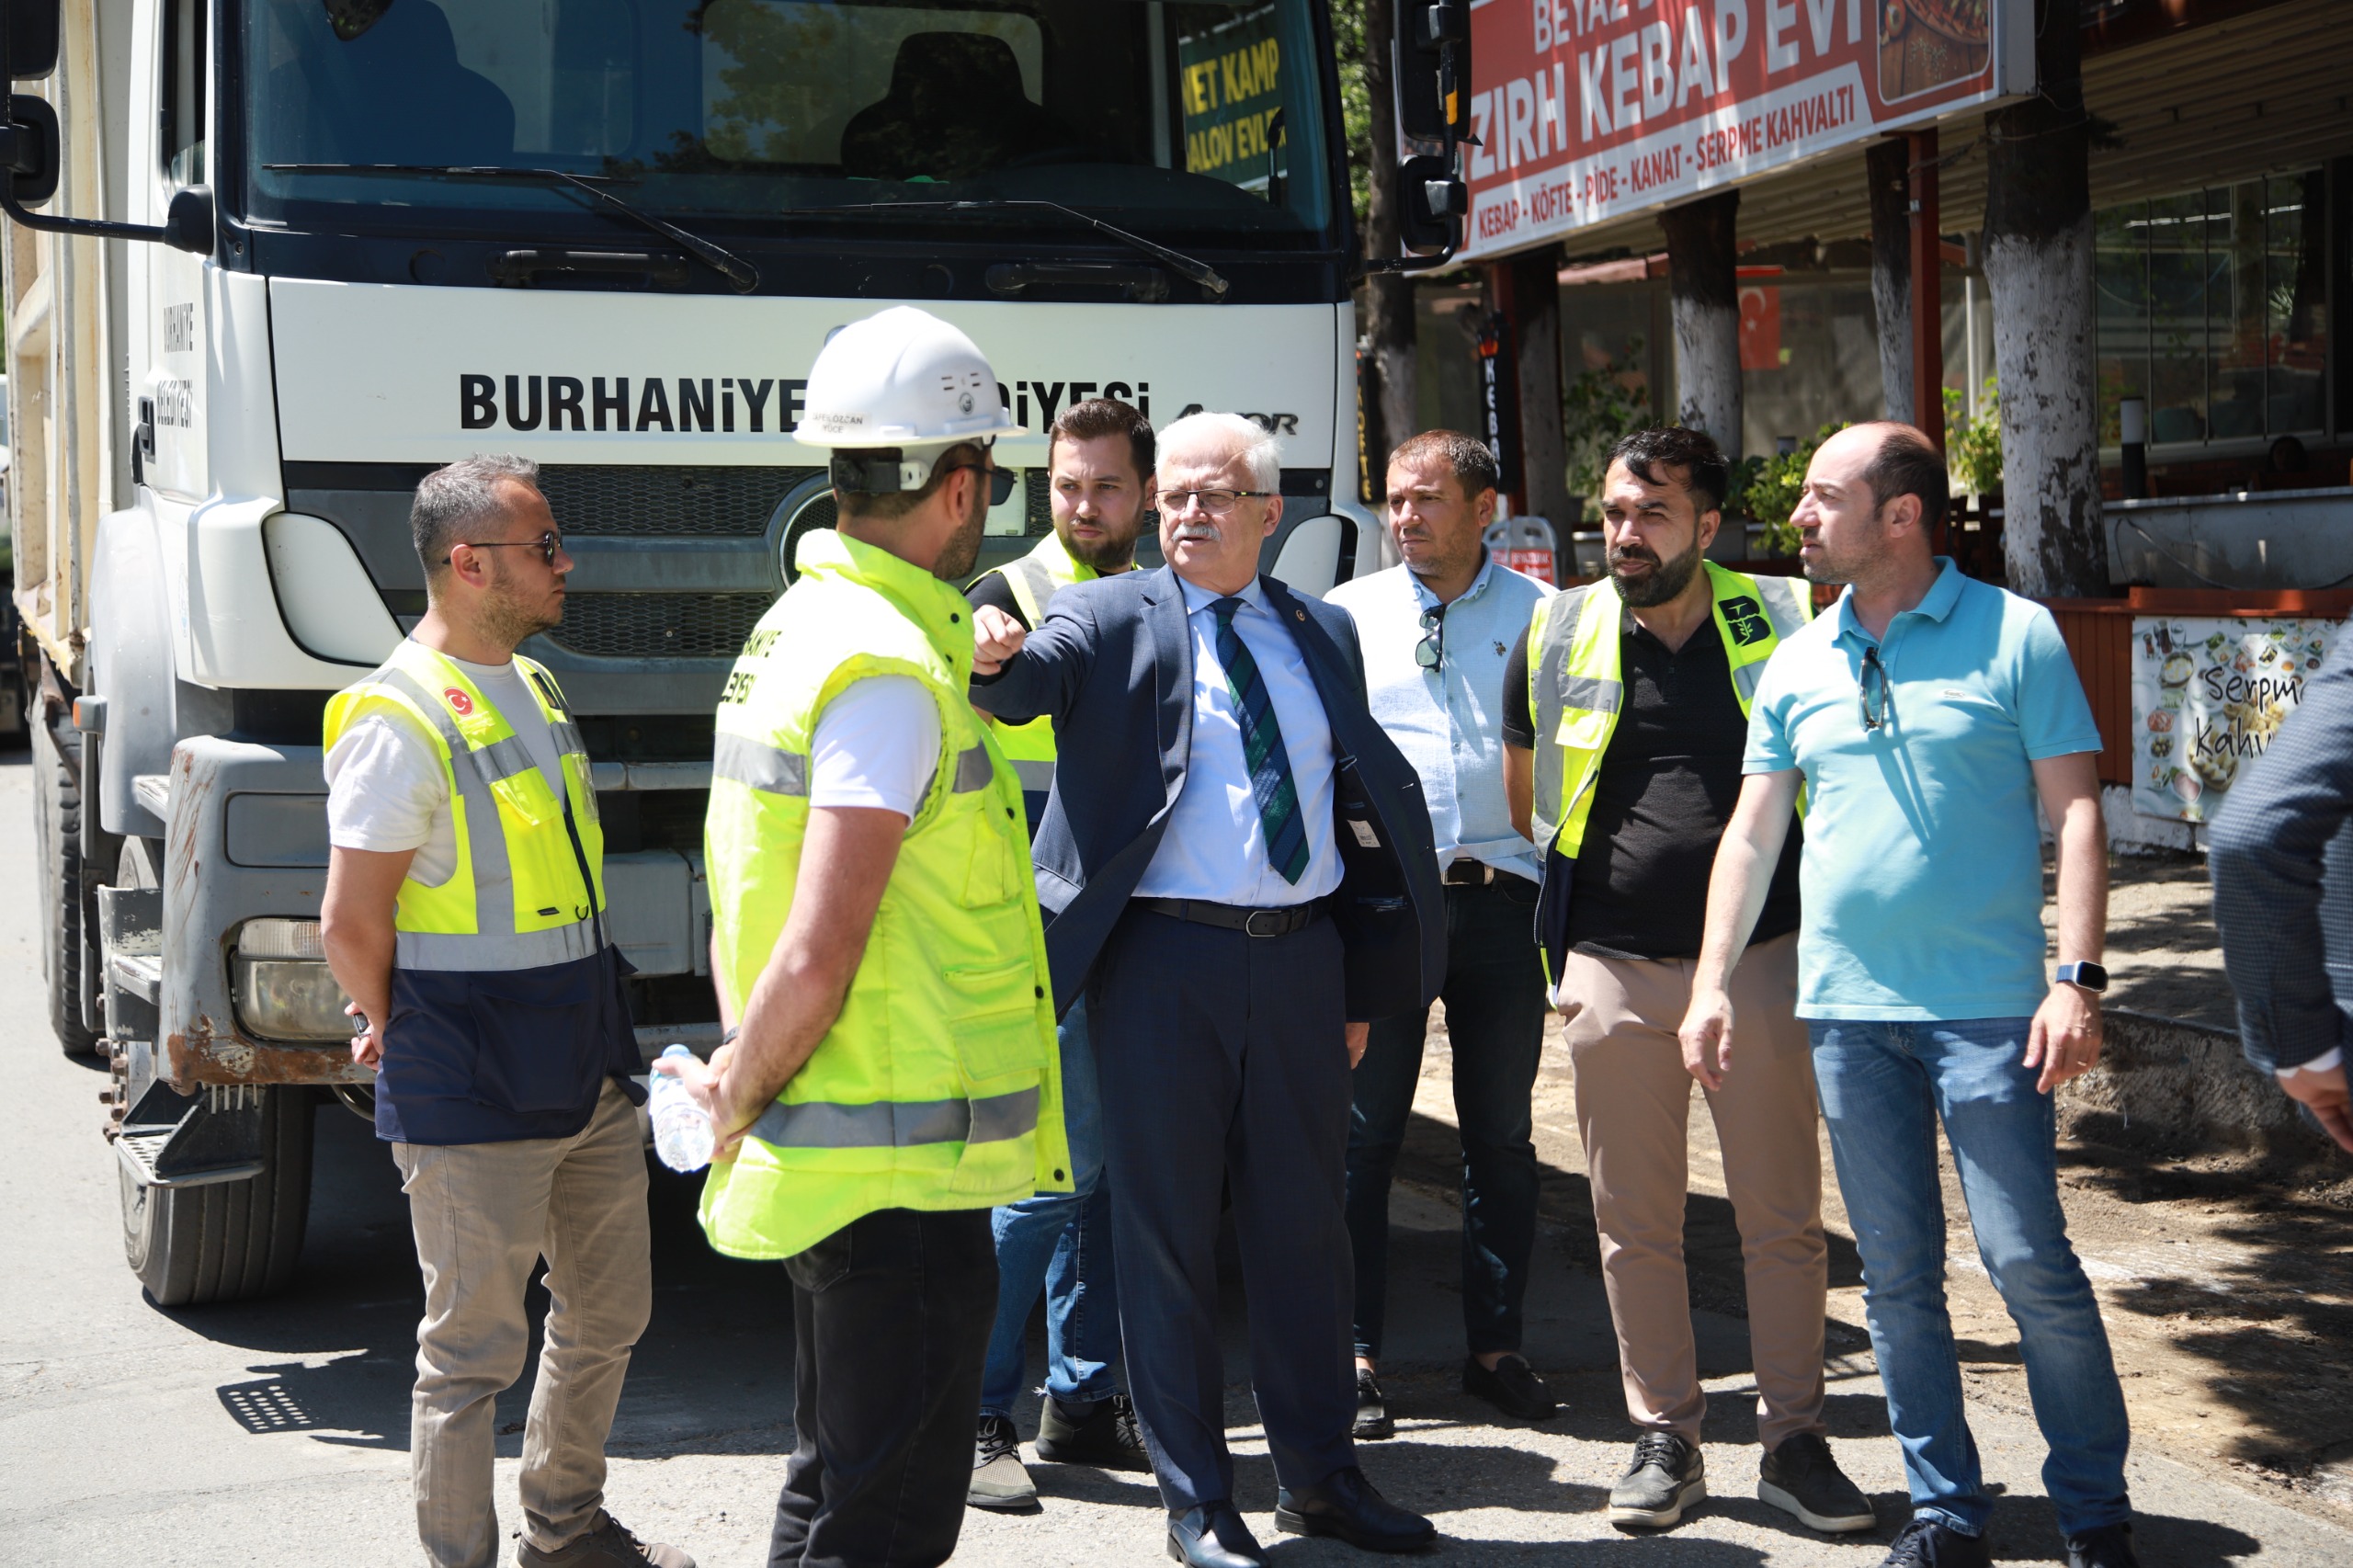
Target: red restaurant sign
x=1590 y=109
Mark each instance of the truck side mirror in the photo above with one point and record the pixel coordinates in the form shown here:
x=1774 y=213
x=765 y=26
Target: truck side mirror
x=1431 y=205
x=1430 y=63
x=32 y=38
x=28 y=150
x=188 y=222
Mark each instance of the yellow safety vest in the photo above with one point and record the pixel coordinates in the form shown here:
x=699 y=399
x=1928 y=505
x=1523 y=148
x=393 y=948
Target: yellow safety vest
x=1577 y=684
x=516 y=899
x=938 y=1086
x=1035 y=579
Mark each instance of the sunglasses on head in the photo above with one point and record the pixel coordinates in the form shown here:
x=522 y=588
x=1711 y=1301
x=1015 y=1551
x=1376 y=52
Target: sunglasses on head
x=547 y=544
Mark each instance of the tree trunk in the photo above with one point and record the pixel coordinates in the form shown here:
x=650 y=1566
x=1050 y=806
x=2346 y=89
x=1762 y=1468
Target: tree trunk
x=2039 y=266
x=1703 y=292
x=1543 y=447
x=1391 y=411
x=1887 y=165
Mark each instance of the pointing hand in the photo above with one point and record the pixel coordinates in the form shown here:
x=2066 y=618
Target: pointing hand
x=997 y=637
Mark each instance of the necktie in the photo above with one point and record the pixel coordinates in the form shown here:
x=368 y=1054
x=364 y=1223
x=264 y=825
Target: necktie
x=1262 y=747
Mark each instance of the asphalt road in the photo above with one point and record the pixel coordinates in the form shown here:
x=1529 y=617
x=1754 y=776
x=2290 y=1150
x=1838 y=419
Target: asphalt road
x=277 y=1432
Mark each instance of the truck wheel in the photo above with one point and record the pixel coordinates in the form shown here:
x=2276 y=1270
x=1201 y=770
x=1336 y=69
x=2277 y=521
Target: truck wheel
x=57 y=821
x=228 y=1241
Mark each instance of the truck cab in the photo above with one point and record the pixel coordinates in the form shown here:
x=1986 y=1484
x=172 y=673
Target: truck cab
x=609 y=235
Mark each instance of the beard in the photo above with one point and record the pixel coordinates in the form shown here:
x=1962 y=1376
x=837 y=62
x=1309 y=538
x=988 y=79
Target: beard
x=510 y=617
x=1666 y=579
x=1114 y=553
x=962 y=551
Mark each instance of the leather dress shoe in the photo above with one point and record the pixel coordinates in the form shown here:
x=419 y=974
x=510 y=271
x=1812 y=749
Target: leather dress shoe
x=1344 y=1505
x=1213 y=1536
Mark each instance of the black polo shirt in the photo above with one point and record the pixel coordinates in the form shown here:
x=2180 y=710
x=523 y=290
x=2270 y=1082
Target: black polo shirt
x=1667 y=788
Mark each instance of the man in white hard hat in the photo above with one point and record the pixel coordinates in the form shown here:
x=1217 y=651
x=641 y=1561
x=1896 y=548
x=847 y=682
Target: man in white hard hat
x=890 y=1072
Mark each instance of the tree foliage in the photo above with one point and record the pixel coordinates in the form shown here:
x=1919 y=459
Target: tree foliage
x=1356 y=104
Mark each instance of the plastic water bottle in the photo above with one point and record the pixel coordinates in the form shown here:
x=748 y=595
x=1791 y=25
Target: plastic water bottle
x=682 y=1133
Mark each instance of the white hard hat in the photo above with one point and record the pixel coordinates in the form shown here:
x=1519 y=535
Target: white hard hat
x=901 y=378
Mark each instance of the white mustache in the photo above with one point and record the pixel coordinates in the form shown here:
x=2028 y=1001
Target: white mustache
x=1192 y=533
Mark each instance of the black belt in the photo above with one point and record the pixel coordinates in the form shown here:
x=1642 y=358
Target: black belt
x=1470 y=874
x=1237 y=917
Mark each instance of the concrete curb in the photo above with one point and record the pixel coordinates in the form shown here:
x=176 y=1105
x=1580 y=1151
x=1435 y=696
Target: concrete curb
x=2186 y=1083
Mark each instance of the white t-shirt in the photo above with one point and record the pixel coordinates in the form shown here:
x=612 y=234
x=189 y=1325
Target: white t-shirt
x=877 y=744
x=386 y=790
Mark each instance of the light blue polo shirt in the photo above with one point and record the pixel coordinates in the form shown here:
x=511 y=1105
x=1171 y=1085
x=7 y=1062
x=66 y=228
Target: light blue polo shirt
x=1922 y=877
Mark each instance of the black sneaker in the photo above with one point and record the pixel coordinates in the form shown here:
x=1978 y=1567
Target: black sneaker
x=999 y=1481
x=1373 y=1422
x=2111 y=1546
x=1513 y=1388
x=1106 y=1434
x=1802 y=1477
x=1925 y=1543
x=1666 y=1477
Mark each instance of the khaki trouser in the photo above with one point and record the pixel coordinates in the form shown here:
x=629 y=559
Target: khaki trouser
x=484 y=1214
x=1633 y=1099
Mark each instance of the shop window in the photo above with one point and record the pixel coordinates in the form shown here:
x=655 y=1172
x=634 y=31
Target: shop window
x=2213 y=308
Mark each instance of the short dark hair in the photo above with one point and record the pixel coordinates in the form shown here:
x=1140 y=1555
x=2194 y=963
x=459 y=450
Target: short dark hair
x=1909 y=464
x=1707 y=473
x=1099 y=417
x=451 y=499
x=889 y=506
x=1473 y=464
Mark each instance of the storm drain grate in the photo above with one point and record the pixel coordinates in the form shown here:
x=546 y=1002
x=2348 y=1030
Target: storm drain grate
x=659 y=625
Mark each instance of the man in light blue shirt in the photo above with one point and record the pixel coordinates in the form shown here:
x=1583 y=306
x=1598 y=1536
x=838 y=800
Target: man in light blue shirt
x=1436 y=633
x=1217 y=809
x=1924 y=716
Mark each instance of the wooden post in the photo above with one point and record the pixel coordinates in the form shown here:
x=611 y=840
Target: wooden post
x=1928 y=296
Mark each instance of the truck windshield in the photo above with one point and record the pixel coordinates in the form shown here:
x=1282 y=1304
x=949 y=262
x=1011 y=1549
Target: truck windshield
x=1201 y=122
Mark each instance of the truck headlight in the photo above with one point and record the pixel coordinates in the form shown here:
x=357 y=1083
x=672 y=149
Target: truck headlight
x=280 y=983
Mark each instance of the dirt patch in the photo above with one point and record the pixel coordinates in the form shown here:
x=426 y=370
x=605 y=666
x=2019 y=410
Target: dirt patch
x=2225 y=1280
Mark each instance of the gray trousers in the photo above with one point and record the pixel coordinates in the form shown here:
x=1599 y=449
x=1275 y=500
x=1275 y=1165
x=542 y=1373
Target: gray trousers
x=484 y=1215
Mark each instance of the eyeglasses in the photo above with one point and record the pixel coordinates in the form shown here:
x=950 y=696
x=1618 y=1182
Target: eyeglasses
x=547 y=544
x=1430 y=652
x=1000 y=481
x=1216 y=503
x=1875 y=712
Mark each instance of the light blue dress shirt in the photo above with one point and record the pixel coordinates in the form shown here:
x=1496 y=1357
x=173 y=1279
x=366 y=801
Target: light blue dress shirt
x=1922 y=876
x=1449 y=720
x=1215 y=847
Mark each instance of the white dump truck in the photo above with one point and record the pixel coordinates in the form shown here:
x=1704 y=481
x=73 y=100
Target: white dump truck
x=272 y=260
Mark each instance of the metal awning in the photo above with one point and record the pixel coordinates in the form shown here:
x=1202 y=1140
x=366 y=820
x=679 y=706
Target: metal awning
x=2259 y=93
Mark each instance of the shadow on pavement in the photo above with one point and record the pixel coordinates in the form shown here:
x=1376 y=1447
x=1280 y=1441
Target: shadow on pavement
x=713 y=1374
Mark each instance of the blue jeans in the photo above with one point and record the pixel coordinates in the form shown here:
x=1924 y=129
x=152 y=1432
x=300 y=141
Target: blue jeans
x=1061 y=1242
x=1495 y=1015
x=1883 y=1088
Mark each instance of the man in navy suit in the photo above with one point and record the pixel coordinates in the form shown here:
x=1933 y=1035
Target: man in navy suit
x=1237 y=871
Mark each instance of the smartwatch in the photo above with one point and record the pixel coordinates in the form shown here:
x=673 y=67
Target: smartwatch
x=2090 y=976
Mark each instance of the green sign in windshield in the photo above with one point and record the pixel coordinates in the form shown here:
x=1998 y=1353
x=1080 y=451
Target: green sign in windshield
x=1229 y=81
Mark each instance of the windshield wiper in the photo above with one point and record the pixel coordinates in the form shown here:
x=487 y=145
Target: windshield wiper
x=1184 y=265
x=735 y=268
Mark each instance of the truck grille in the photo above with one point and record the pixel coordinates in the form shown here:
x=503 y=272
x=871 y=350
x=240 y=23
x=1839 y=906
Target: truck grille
x=611 y=499
x=659 y=625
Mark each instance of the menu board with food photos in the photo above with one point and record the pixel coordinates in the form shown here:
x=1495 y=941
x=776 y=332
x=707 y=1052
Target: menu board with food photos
x=2208 y=695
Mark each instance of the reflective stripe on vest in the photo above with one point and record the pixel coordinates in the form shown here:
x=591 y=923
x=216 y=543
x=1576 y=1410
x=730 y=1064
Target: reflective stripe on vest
x=776 y=771
x=473 y=773
x=897 y=1124
x=1577 y=690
